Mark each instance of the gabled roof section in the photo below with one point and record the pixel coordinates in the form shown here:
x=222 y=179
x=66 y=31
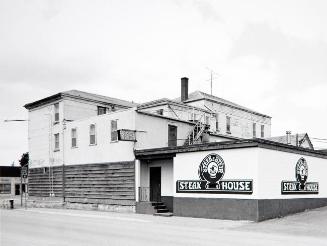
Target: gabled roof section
x=166 y=101
x=199 y=95
x=82 y=96
x=302 y=138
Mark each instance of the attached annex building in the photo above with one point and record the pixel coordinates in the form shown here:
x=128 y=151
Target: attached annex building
x=197 y=155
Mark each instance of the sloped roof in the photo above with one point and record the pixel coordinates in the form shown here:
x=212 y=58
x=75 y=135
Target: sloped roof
x=301 y=138
x=81 y=95
x=165 y=101
x=199 y=95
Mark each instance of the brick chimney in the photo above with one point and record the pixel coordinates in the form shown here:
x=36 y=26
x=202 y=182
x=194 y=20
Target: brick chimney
x=184 y=89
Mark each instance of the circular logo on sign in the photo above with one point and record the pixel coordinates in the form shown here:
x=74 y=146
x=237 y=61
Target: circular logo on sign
x=301 y=172
x=212 y=168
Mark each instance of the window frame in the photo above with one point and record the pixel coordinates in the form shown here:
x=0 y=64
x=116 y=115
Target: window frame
x=262 y=131
x=56 y=136
x=113 y=133
x=71 y=134
x=56 y=113
x=228 y=124
x=95 y=135
x=105 y=110
x=254 y=129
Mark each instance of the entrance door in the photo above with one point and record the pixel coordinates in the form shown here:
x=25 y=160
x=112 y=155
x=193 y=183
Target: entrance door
x=155 y=184
x=172 y=135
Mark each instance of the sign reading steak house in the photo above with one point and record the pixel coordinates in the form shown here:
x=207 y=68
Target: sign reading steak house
x=300 y=186
x=211 y=172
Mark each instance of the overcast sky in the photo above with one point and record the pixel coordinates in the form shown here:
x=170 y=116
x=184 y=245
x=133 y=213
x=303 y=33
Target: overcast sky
x=271 y=56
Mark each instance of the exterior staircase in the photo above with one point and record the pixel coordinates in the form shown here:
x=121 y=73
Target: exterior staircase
x=195 y=135
x=161 y=209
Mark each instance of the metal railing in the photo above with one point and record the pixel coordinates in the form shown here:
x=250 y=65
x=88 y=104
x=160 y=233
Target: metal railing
x=144 y=194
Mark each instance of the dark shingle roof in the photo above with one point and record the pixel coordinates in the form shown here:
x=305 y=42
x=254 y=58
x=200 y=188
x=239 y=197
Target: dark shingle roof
x=81 y=95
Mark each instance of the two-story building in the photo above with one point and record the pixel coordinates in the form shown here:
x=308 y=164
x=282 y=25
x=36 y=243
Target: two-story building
x=93 y=151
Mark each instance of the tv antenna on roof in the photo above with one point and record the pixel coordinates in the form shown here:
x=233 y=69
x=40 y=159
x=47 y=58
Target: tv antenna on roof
x=213 y=75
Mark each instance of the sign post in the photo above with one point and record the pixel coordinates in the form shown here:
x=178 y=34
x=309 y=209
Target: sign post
x=24 y=174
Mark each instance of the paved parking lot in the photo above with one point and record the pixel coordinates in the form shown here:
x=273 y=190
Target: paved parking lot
x=76 y=227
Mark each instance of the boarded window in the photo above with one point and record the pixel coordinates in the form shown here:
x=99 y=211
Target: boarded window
x=92 y=134
x=56 y=112
x=56 y=141
x=262 y=131
x=228 y=128
x=74 y=138
x=172 y=135
x=102 y=110
x=114 y=134
x=254 y=130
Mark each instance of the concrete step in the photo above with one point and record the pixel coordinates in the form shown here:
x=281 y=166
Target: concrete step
x=163 y=214
x=157 y=203
x=160 y=206
x=164 y=210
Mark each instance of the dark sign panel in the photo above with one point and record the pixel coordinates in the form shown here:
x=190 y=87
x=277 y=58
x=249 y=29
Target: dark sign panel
x=300 y=186
x=211 y=171
x=126 y=135
x=221 y=187
x=24 y=172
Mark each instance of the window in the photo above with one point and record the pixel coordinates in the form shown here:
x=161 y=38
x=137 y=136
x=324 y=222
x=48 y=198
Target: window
x=254 y=130
x=217 y=123
x=228 y=124
x=56 y=141
x=74 y=138
x=172 y=135
x=262 y=131
x=92 y=134
x=207 y=120
x=114 y=134
x=102 y=110
x=194 y=117
x=160 y=111
x=56 y=112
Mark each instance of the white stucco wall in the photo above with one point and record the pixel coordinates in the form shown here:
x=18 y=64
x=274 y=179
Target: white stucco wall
x=41 y=130
x=275 y=166
x=239 y=164
x=104 y=150
x=241 y=121
x=267 y=168
x=167 y=177
x=152 y=132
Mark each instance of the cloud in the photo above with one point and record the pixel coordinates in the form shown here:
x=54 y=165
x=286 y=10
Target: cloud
x=299 y=63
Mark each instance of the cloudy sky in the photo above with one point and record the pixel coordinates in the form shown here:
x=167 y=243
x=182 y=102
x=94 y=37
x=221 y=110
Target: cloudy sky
x=270 y=56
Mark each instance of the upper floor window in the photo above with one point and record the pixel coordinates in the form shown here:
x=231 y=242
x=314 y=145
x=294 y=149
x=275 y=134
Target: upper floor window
x=92 y=134
x=228 y=120
x=254 y=130
x=114 y=134
x=102 y=110
x=262 y=131
x=160 y=111
x=56 y=112
x=74 y=137
x=56 y=141
x=217 y=122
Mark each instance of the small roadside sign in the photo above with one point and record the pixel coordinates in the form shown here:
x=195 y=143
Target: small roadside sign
x=24 y=172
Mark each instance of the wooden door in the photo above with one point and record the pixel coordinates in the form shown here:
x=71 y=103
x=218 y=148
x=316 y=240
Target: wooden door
x=155 y=184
